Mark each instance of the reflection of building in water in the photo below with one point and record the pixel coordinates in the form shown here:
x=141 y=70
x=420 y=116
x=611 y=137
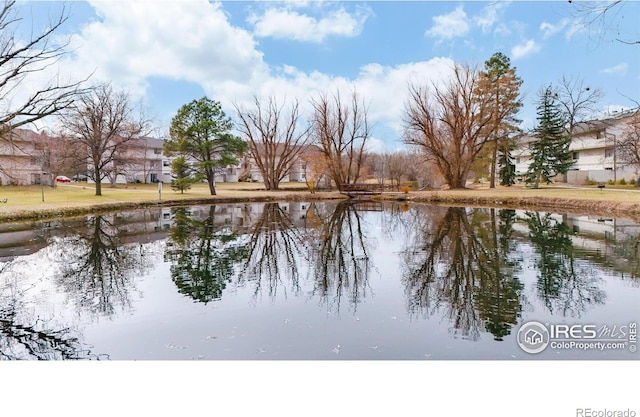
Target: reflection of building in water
x=140 y=226
x=606 y=240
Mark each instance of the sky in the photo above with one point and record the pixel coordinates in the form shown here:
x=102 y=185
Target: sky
x=166 y=53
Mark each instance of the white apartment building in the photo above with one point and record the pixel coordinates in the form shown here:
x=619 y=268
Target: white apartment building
x=593 y=145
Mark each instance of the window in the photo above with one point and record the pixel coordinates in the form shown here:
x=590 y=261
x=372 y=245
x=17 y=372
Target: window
x=157 y=151
x=517 y=160
x=608 y=153
x=575 y=156
x=165 y=163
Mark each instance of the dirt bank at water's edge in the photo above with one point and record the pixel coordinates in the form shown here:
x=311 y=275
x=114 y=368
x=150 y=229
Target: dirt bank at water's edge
x=538 y=203
x=575 y=206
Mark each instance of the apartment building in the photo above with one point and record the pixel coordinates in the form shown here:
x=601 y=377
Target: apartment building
x=594 y=145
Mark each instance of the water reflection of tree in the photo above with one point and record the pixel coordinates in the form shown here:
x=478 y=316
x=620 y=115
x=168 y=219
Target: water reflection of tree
x=276 y=247
x=461 y=263
x=626 y=260
x=97 y=267
x=341 y=262
x=563 y=284
x=25 y=335
x=204 y=253
x=499 y=292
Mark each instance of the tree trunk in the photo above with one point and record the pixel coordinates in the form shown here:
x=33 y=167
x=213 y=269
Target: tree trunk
x=98 y=180
x=494 y=162
x=211 y=179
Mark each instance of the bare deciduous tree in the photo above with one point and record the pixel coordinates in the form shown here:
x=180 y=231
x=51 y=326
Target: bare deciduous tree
x=341 y=130
x=449 y=123
x=275 y=139
x=315 y=168
x=398 y=167
x=628 y=147
x=103 y=121
x=20 y=59
x=604 y=17
x=56 y=156
x=577 y=101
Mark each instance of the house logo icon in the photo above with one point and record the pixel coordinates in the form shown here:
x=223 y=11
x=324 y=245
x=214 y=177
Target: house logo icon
x=533 y=337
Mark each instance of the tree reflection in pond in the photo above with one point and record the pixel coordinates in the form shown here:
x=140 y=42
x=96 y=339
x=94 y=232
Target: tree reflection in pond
x=461 y=265
x=204 y=253
x=341 y=261
x=25 y=333
x=499 y=291
x=565 y=285
x=276 y=248
x=98 y=268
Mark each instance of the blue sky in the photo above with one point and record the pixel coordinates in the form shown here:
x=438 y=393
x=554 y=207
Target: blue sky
x=166 y=53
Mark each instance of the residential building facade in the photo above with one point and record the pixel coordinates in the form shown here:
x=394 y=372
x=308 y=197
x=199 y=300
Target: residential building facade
x=594 y=145
x=23 y=158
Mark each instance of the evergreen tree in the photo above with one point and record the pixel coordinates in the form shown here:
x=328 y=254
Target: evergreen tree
x=550 y=153
x=507 y=171
x=500 y=85
x=201 y=131
x=182 y=174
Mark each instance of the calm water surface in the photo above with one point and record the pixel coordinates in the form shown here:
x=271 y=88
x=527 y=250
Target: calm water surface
x=315 y=281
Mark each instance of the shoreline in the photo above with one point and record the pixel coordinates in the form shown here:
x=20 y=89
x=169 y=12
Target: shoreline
x=586 y=206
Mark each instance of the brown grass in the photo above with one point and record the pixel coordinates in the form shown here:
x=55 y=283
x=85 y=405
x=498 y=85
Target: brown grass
x=74 y=199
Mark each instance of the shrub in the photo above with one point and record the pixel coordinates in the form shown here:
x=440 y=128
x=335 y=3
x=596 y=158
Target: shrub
x=589 y=181
x=610 y=182
x=405 y=189
x=632 y=181
x=622 y=181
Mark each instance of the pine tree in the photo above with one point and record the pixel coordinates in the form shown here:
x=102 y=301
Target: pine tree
x=550 y=153
x=507 y=172
x=182 y=174
x=501 y=86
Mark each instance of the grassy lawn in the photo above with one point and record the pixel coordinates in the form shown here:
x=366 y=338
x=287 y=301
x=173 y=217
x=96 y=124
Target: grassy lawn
x=63 y=197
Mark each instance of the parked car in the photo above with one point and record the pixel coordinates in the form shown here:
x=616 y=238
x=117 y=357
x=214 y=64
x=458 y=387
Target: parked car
x=62 y=178
x=79 y=177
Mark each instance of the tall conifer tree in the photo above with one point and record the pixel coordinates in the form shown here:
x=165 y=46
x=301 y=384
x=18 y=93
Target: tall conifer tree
x=501 y=86
x=550 y=153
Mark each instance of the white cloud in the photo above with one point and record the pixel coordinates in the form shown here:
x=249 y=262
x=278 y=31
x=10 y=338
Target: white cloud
x=287 y=24
x=450 y=25
x=549 y=29
x=525 y=49
x=620 y=69
x=190 y=40
x=375 y=145
x=490 y=16
x=572 y=27
x=132 y=43
x=382 y=88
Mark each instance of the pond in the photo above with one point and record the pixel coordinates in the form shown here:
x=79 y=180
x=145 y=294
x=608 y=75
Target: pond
x=320 y=280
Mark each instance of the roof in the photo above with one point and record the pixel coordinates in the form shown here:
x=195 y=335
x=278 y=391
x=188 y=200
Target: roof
x=602 y=124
